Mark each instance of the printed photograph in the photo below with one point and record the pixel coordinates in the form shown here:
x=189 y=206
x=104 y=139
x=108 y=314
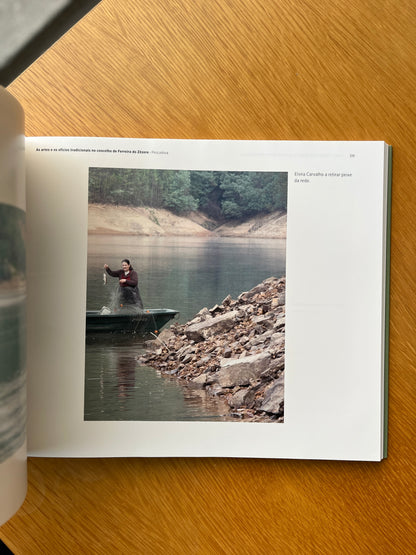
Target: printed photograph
x=12 y=330
x=186 y=279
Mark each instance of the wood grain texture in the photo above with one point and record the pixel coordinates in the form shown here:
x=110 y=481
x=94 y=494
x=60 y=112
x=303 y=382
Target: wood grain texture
x=238 y=69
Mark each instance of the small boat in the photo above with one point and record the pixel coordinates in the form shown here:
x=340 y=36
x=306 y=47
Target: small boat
x=145 y=322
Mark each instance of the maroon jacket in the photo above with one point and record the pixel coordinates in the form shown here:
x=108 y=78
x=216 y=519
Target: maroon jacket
x=131 y=277
x=129 y=292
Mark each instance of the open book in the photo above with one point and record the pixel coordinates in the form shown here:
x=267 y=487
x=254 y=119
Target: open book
x=192 y=298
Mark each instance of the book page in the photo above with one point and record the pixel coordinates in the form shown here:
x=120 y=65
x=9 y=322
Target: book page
x=267 y=258
x=12 y=308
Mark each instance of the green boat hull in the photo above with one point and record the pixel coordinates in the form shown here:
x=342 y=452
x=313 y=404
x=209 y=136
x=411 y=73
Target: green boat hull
x=142 y=323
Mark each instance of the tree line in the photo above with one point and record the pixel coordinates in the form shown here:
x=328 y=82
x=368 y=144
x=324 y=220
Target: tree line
x=220 y=195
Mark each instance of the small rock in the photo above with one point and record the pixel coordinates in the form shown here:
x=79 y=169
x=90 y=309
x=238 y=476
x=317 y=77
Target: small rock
x=237 y=400
x=279 y=324
x=274 y=396
x=200 y=380
x=241 y=371
x=211 y=327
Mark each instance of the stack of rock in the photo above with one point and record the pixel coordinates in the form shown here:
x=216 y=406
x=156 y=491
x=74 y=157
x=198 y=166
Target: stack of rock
x=235 y=349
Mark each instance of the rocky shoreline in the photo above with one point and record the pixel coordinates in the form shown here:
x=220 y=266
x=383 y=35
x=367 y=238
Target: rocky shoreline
x=235 y=350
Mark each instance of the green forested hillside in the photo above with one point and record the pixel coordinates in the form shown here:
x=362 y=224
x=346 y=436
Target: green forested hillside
x=221 y=195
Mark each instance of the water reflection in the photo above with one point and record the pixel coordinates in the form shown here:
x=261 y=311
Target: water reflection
x=125 y=380
x=118 y=388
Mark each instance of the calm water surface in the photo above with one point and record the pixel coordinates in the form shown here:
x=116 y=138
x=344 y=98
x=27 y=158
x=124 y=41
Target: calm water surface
x=182 y=273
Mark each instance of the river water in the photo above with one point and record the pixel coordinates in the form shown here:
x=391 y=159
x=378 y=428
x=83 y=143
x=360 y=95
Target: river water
x=183 y=273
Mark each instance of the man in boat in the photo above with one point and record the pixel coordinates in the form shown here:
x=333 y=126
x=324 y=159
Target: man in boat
x=129 y=294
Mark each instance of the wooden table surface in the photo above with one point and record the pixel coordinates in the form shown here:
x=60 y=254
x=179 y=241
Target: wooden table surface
x=238 y=69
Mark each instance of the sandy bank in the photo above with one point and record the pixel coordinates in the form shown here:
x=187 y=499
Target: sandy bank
x=268 y=226
x=125 y=220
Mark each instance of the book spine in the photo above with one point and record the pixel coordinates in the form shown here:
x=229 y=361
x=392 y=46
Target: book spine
x=13 y=480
